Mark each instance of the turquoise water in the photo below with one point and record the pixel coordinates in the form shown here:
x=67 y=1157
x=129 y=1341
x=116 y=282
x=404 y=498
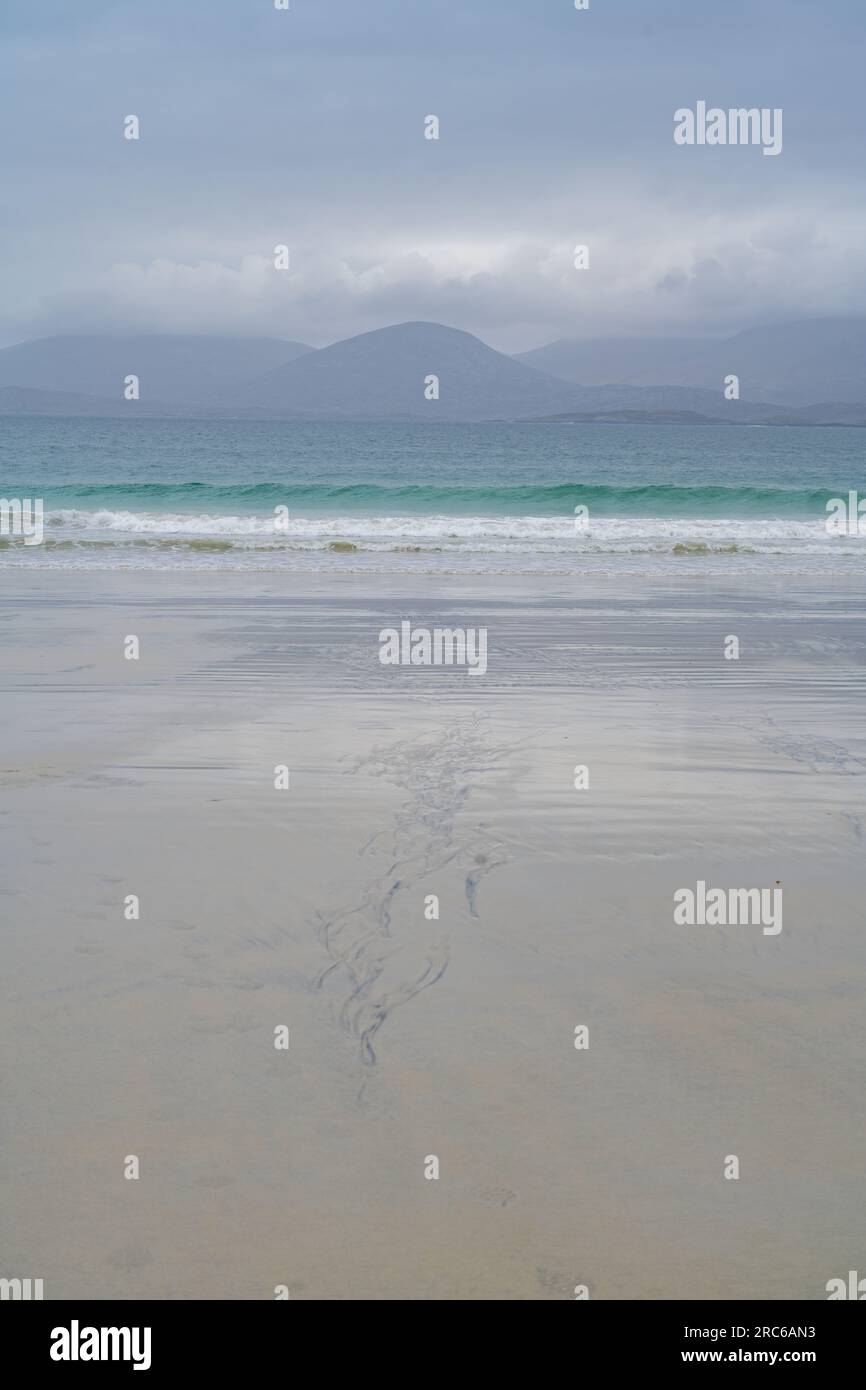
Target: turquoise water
x=184 y=491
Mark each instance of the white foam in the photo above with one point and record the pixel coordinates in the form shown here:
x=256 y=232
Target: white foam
x=483 y=533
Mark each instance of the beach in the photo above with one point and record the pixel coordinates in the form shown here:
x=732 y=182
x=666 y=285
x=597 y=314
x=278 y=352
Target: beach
x=598 y=1167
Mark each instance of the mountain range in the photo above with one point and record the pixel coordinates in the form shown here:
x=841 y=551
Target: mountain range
x=793 y=364
x=805 y=373
x=177 y=370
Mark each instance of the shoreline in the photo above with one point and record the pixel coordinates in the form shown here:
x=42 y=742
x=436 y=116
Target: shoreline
x=410 y=1035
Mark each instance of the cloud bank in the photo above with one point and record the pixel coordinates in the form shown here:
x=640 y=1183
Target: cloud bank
x=306 y=128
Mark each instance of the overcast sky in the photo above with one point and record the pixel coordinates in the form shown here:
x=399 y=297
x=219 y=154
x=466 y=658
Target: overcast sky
x=306 y=127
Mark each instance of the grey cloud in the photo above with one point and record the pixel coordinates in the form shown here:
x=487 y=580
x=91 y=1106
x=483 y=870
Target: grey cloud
x=261 y=127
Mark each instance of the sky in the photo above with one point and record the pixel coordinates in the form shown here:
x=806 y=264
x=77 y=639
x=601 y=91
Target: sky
x=262 y=127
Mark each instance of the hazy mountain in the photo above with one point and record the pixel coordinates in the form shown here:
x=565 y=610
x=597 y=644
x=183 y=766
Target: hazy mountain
x=794 y=364
x=600 y=361
x=381 y=376
x=685 y=402
x=181 y=369
x=376 y=376
x=28 y=400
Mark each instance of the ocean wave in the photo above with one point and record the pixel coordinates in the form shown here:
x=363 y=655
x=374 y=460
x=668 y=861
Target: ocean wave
x=522 y=532
x=120 y=539
x=613 y=499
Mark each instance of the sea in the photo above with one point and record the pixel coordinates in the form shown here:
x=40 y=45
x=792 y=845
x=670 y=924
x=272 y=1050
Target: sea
x=503 y=498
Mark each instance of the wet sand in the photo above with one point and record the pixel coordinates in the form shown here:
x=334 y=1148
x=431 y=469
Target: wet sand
x=412 y=1037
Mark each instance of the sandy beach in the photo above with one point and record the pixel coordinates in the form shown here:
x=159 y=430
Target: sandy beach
x=410 y=1036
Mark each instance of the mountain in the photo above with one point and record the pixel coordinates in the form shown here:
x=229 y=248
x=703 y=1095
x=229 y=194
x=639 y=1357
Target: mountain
x=795 y=364
x=671 y=401
x=175 y=370
x=832 y=413
x=602 y=361
x=382 y=375
x=29 y=400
